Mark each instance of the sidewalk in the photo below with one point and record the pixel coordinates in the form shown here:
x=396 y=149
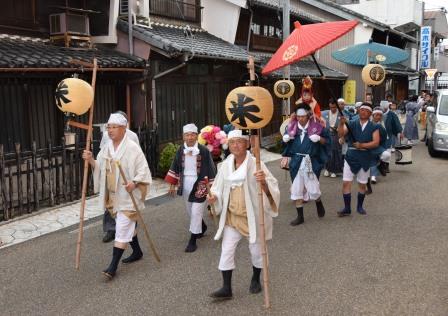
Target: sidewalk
x=54 y=219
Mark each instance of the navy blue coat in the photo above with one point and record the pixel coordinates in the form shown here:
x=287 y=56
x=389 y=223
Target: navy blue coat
x=392 y=124
x=318 y=152
x=355 y=158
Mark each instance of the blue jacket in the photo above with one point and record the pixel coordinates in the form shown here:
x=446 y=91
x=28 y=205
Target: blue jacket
x=318 y=152
x=392 y=124
x=385 y=143
x=356 y=158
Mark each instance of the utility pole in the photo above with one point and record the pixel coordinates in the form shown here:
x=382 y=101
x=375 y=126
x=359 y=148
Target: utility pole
x=286 y=106
x=130 y=35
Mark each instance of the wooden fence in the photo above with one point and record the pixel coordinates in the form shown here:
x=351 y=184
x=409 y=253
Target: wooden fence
x=37 y=178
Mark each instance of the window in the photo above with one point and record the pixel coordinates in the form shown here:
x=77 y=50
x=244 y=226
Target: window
x=443 y=105
x=256 y=28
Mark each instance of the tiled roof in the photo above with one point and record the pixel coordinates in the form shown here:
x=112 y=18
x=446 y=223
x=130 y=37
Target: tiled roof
x=275 y=4
x=302 y=68
x=177 y=40
x=400 y=69
x=26 y=52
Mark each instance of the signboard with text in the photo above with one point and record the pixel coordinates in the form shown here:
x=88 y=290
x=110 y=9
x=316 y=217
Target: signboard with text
x=350 y=92
x=425 y=47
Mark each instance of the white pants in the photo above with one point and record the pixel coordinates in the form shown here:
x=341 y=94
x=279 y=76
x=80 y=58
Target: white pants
x=124 y=228
x=194 y=210
x=230 y=240
x=386 y=155
x=362 y=176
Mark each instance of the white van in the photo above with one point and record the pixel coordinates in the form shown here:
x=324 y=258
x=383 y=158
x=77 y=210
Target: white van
x=437 y=124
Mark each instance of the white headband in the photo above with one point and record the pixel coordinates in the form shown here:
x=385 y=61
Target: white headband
x=341 y=100
x=302 y=112
x=365 y=107
x=237 y=133
x=190 y=128
x=117 y=119
x=358 y=104
x=377 y=111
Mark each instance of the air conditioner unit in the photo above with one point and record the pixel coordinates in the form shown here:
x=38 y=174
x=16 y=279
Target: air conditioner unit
x=69 y=23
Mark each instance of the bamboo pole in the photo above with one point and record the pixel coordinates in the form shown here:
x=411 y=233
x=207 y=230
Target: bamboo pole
x=264 y=248
x=139 y=215
x=86 y=171
x=256 y=152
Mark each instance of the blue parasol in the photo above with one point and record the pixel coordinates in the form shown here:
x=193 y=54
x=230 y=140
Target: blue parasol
x=357 y=54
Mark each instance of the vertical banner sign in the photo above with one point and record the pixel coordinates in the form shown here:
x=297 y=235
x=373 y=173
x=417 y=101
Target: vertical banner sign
x=425 y=47
x=350 y=91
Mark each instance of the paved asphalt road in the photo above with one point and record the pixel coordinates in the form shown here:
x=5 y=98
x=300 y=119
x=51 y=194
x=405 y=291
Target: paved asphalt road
x=391 y=262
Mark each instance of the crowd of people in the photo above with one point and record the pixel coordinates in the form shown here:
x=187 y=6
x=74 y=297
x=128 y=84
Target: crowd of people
x=355 y=142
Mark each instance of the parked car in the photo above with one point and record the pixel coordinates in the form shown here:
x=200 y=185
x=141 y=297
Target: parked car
x=437 y=124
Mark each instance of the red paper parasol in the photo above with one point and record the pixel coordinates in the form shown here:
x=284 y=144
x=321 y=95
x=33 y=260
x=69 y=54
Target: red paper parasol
x=305 y=40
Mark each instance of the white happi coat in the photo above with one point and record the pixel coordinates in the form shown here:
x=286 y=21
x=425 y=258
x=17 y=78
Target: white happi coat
x=135 y=167
x=221 y=189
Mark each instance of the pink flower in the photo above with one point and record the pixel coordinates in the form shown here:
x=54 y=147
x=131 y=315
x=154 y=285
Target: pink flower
x=210 y=148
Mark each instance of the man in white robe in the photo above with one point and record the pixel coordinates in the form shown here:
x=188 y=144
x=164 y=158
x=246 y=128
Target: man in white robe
x=108 y=220
x=235 y=195
x=114 y=194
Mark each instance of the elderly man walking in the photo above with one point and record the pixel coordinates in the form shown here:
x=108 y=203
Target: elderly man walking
x=114 y=194
x=190 y=171
x=235 y=195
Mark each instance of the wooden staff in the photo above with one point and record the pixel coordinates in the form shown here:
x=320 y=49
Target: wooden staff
x=212 y=206
x=139 y=215
x=86 y=171
x=264 y=248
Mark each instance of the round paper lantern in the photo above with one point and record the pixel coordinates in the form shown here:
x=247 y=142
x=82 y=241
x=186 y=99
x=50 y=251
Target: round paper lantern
x=74 y=95
x=373 y=74
x=249 y=107
x=284 y=88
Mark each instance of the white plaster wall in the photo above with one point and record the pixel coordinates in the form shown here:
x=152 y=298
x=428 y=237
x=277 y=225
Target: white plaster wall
x=220 y=17
x=362 y=34
x=113 y=16
x=391 y=12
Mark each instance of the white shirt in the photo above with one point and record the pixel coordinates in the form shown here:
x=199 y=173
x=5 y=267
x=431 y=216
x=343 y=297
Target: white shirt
x=363 y=126
x=332 y=117
x=303 y=131
x=190 y=165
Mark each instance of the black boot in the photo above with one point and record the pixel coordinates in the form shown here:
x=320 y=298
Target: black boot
x=299 y=220
x=320 y=208
x=382 y=168
x=369 y=187
x=137 y=253
x=387 y=167
x=224 y=293
x=191 y=247
x=112 y=269
x=109 y=236
x=204 y=229
x=255 y=286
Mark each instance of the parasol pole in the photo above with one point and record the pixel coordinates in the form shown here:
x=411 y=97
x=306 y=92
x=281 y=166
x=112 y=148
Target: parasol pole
x=331 y=92
x=286 y=103
x=264 y=249
x=86 y=170
x=365 y=84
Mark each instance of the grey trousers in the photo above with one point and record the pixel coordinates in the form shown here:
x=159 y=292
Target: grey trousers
x=108 y=222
